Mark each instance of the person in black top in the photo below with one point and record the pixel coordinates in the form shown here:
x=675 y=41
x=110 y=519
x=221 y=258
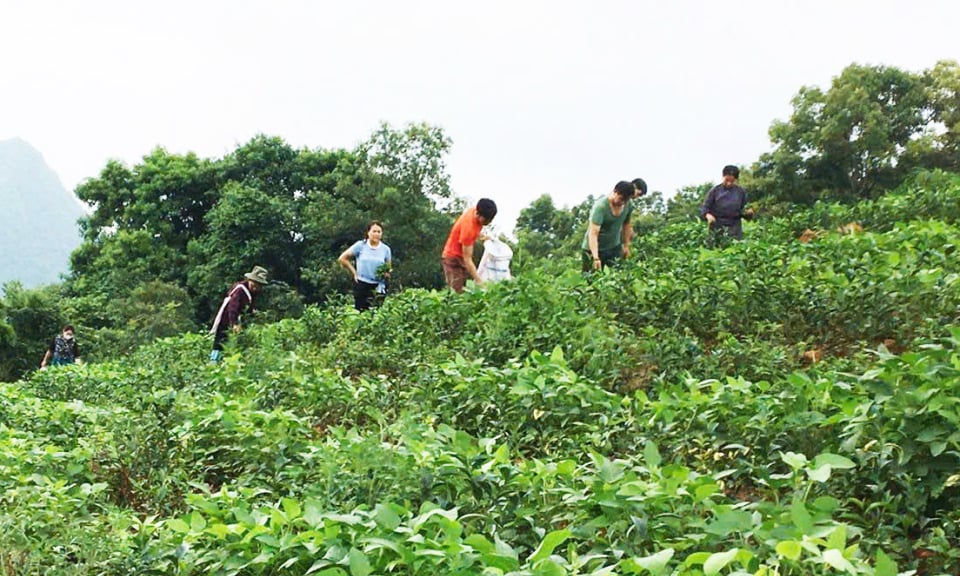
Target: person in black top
x=240 y=297
x=63 y=349
x=639 y=188
x=725 y=205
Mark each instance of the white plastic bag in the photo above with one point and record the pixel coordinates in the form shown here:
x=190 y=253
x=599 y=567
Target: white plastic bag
x=495 y=262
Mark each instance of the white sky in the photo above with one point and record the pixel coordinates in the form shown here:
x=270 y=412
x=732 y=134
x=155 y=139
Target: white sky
x=539 y=97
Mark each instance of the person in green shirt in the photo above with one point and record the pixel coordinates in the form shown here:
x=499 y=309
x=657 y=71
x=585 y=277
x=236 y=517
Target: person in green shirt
x=609 y=232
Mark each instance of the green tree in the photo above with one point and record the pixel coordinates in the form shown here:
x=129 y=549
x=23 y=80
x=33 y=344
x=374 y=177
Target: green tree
x=246 y=228
x=411 y=159
x=114 y=264
x=154 y=310
x=109 y=195
x=941 y=147
x=198 y=224
x=684 y=206
x=28 y=320
x=397 y=177
x=166 y=195
x=848 y=141
x=265 y=163
x=542 y=229
x=545 y=232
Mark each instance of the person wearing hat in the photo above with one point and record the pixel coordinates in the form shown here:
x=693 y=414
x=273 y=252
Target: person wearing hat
x=239 y=298
x=609 y=231
x=725 y=205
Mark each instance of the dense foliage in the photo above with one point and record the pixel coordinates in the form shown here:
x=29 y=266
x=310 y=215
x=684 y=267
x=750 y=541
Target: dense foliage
x=166 y=237
x=773 y=407
x=863 y=135
x=785 y=405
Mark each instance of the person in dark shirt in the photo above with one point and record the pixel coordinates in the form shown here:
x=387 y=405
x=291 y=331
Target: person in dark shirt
x=63 y=350
x=239 y=298
x=725 y=205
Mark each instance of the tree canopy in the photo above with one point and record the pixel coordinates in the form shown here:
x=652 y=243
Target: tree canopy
x=863 y=135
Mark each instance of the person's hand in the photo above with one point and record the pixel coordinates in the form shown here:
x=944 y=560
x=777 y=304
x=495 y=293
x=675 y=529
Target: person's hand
x=236 y=328
x=597 y=264
x=710 y=219
x=355 y=278
x=386 y=274
x=749 y=214
x=626 y=251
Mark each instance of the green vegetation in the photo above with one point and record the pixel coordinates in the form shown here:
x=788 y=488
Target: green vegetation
x=772 y=407
x=659 y=419
x=167 y=237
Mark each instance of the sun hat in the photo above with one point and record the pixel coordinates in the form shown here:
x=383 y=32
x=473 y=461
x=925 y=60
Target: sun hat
x=258 y=275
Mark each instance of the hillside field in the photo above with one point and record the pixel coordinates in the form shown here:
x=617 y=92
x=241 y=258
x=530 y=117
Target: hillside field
x=772 y=407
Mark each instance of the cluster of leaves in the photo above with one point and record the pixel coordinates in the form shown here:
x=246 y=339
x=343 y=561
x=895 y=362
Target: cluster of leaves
x=263 y=491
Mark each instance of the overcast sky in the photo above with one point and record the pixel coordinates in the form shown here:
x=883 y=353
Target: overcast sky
x=539 y=97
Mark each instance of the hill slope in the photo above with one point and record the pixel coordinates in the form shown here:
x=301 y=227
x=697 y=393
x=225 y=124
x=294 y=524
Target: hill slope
x=664 y=418
x=38 y=222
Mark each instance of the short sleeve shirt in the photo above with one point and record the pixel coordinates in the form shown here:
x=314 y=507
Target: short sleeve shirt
x=369 y=259
x=465 y=231
x=63 y=349
x=611 y=226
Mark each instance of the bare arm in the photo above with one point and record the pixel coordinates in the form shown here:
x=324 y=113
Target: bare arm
x=593 y=241
x=46 y=359
x=627 y=234
x=344 y=261
x=468 y=263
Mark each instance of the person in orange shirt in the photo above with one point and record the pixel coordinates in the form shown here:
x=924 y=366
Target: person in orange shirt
x=458 y=251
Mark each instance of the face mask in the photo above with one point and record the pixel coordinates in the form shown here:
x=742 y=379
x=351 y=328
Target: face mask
x=68 y=337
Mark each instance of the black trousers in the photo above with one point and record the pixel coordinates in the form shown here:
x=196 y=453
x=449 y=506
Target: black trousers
x=219 y=338
x=363 y=293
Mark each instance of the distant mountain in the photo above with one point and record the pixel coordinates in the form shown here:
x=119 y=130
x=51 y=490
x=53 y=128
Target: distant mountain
x=38 y=217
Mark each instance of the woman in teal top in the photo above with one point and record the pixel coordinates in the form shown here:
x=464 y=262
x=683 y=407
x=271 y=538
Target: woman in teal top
x=609 y=231
x=373 y=261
